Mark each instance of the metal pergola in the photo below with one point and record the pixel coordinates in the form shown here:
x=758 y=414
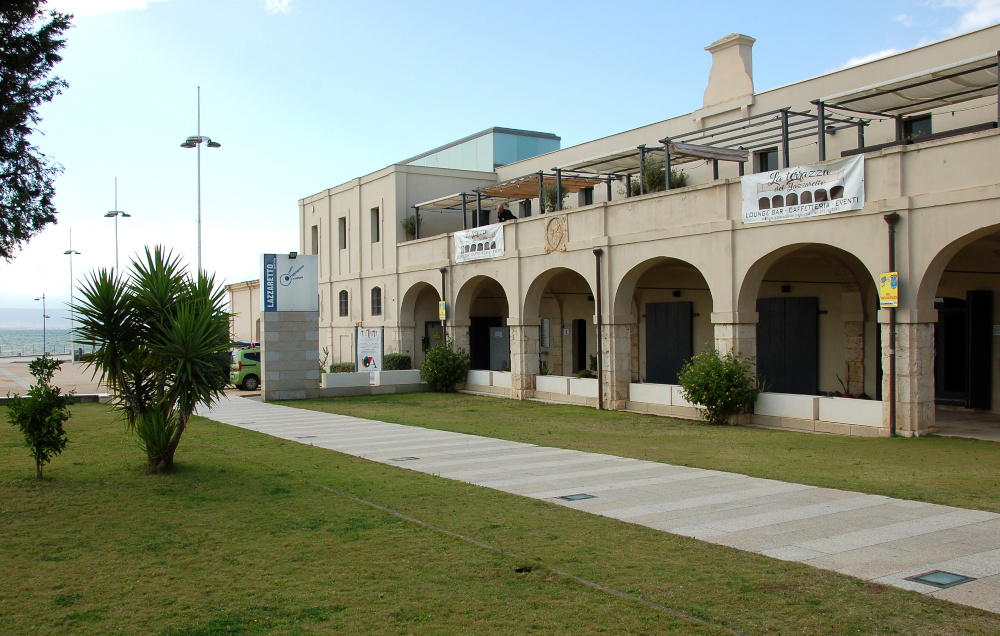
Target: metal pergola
x=731 y=141
x=942 y=87
x=517 y=189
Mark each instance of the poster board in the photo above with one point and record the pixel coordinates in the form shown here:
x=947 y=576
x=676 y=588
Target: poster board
x=804 y=191
x=369 y=348
x=289 y=283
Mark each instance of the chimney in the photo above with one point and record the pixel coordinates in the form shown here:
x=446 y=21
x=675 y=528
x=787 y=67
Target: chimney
x=732 y=69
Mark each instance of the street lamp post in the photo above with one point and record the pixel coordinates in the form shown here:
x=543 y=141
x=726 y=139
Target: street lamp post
x=70 y=252
x=44 y=318
x=195 y=141
x=113 y=213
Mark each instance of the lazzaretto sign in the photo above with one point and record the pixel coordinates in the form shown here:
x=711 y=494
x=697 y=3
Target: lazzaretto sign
x=289 y=283
x=804 y=191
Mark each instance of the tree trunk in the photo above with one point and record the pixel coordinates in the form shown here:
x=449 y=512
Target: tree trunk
x=167 y=461
x=38 y=469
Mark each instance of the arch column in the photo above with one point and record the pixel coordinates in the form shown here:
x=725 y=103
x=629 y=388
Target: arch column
x=914 y=372
x=524 y=359
x=736 y=331
x=404 y=339
x=457 y=330
x=616 y=348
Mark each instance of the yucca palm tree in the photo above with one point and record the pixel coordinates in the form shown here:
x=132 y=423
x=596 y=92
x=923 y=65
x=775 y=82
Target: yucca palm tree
x=160 y=340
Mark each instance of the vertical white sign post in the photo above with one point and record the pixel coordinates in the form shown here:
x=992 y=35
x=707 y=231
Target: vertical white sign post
x=369 y=350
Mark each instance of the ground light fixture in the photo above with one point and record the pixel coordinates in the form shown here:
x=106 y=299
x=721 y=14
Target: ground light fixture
x=195 y=141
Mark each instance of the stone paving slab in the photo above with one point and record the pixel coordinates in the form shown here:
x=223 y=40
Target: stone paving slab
x=866 y=536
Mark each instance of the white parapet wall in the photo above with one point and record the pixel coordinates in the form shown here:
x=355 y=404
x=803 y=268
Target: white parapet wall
x=386 y=378
x=331 y=380
x=553 y=384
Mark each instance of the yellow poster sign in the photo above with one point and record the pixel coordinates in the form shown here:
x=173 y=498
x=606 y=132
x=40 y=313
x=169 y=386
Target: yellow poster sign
x=442 y=311
x=888 y=289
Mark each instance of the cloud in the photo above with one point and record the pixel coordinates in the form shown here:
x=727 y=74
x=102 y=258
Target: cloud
x=97 y=7
x=277 y=6
x=975 y=14
x=854 y=61
x=905 y=20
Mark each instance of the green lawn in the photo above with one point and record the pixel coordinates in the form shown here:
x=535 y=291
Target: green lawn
x=944 y=470
x=252 y=535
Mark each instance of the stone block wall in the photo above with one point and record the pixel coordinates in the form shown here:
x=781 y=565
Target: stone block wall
x=290 y=355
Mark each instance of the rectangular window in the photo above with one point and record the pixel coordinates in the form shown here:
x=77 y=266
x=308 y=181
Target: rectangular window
x=545 y=332
x=526 y=208
x=376 y=301
x=375 y=225
x=342 y=232
x=765 y=160
x=344 y=306
x=587 y=196
x=916 y=127
x=315 y=240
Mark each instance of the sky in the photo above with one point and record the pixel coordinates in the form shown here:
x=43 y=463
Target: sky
x=304 y=95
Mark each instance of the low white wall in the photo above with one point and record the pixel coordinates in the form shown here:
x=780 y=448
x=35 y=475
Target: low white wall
x=802 y=407
x=650 y=393
x=346 y=379
x=558 y=384
x=480 y=378
x=583 y=387
x=850 y=411
x=385 y=378
x=501 y=379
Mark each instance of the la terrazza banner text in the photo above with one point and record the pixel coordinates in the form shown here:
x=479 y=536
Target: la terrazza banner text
x=804 y=191
x=479 y=243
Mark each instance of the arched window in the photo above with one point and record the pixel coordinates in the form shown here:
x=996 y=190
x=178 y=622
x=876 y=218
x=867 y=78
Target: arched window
x=344 y=303
x=763 y=203
x=807 y=197
x=376 y=301
x=820 y=195
x=792 y=199
x=837 y=192
x=777 y=201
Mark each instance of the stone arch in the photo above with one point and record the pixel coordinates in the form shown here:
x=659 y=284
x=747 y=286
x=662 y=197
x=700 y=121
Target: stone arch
x=407 y=305
x=931 y=275
x=533 y=297
x=836 y=284
x=470 y=289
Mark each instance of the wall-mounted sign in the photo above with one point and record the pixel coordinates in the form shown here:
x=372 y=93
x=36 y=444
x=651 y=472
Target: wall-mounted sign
x=804 y=191
x=442 y=310
x=479 y=243
x=289 y=284
x=888 y=289
x=368 y=343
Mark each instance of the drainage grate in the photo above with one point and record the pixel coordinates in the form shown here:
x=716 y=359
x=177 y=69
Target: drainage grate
x=939 y=578
x=403 y=459
x=576 y=497
x=306 y=437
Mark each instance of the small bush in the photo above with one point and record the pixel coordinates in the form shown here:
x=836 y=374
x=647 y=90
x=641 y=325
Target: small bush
x=654 y=177
x=342 y=367
x=549 y=197
x=41 y=414
x=723 y=385
x=444 y=367
x=396 y=362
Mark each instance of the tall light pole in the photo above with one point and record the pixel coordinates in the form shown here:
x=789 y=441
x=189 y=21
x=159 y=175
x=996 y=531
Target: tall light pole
x=44 y=318
x=70 y=252
x=113 y=213
x=195 y=141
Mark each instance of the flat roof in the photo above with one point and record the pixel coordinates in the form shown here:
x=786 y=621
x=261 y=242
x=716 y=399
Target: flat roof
x=482 y=133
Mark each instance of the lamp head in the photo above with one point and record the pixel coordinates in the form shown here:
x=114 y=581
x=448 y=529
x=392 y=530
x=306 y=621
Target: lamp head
x=111 y=214
x=188 y=144
x=125 y=214
x=293 y=255
x=214 y=144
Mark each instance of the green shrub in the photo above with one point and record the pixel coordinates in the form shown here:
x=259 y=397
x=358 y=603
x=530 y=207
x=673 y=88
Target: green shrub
x=723 y=385
x=396 y=362
x=444 y=367
x=342 y=367
x=549 y=195
x=41 y=414
x=654 y=177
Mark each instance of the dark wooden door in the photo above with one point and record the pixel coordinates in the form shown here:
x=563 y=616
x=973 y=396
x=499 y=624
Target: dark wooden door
x=479 y=340
x=668 y=340
x=788 y=344
x=579 y=344
x=980 y=356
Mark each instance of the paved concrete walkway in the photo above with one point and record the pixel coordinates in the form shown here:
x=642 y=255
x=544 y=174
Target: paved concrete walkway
x=867 y=536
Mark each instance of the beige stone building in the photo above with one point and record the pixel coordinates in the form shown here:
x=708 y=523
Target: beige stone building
x=634 y=279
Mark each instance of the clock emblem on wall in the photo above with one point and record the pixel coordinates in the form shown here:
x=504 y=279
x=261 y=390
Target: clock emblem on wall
x=556 y=234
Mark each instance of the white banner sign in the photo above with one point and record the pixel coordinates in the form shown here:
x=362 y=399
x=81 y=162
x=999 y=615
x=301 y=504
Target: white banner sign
x=369 y=343
x=479 y=243
x=803 y=191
